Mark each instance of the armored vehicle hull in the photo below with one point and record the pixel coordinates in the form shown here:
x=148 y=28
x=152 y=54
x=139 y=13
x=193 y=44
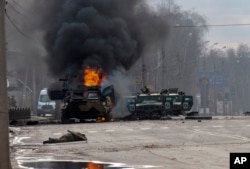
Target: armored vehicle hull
x=90 y=109
x=156 y=105
x=84 y=102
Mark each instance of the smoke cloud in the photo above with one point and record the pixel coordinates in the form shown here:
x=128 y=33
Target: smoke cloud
x=123 y=87
x=99 y=33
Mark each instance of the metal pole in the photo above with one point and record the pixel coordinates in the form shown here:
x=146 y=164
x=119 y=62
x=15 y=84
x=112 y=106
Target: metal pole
x=34 y=98
x=4 y=116
x=143 y=72
x=163 y=68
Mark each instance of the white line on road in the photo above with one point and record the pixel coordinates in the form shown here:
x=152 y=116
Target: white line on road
x=222 y=135
x=164 y=127
x=92 y=131
x=18 y=140
x=109 y=130
x=57 y=134
x=217 y=126
x=145 y=128
x=130 y=130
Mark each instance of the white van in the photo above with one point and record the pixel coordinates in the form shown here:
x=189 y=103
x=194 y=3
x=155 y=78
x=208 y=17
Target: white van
x=45 y=105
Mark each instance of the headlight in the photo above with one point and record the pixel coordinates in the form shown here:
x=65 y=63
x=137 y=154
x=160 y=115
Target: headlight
x=104 y=103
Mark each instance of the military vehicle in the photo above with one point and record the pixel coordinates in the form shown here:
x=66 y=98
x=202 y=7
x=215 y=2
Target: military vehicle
x=168 y=102
x=84 y=102
x=177 y=103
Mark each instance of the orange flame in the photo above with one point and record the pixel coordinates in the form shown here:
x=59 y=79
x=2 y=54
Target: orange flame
x=93 y=77
x=94 y=166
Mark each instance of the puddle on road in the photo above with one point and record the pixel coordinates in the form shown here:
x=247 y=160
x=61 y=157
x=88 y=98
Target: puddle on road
x=75 y=165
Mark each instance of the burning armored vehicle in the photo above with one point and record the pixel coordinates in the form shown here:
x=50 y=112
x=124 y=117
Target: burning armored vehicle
x=85 y=100
x=148 y=105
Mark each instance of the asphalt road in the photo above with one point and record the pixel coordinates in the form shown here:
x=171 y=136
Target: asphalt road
x=181 y=144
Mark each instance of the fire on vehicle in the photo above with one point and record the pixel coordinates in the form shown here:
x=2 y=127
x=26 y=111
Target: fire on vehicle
x=83 y=98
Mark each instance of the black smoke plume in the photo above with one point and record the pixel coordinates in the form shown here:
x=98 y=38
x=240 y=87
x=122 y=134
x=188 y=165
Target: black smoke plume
x=99 y=33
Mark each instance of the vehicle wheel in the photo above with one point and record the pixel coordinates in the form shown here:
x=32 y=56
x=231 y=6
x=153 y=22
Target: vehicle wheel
x=108 y=117
x=64 y=119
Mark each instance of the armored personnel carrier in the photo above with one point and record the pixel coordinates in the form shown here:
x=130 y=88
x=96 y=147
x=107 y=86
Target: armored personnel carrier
x=84 y=102
x=176 y=103
x=168 y=102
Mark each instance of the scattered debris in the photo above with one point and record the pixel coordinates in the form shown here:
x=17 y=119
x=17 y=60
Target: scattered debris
x=11 y=131
x=150 y=146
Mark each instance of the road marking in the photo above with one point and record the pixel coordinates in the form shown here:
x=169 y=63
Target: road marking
x=109 y=130
x=196 y=126
x=92 y=131
x=222 y=135
x=145 y=128
x=57 y=134
x=130 y=130
x=217 y=126
x=248 y=125
x=18 y=140
x=164 y=127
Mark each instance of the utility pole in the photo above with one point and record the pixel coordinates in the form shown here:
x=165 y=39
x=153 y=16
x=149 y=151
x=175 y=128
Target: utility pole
x=4 y=115
x=163 y=69
x=34 y=96
x=144 y=71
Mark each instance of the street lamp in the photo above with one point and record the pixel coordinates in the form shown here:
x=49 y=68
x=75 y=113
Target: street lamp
x=205 y=89
x=183 y=65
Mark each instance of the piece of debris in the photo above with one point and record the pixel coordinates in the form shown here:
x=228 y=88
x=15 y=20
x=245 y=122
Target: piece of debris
x=150 y=146
x=11 y=131
x=199 y=121
x=71 y=136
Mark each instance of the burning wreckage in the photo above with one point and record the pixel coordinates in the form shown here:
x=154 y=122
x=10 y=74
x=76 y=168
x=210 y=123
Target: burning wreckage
x=95 y=35
x=83 y=98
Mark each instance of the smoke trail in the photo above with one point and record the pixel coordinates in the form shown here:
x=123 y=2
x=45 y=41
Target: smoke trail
x=123 y=87
x=100 y=33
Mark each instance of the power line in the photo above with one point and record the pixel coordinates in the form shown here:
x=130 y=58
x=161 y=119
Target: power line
x=16 y=27
x=212 y=25
x=18 y=5
x=11 y=6
x=19 y=30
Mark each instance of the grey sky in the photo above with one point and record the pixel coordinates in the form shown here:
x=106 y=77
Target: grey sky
x=223 y=12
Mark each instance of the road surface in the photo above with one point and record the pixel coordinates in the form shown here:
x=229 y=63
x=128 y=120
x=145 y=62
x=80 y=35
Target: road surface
x=181 y=144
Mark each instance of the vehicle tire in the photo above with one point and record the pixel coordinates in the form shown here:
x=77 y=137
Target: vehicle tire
x=64 y=119
x=38 y=113
x=108 y=117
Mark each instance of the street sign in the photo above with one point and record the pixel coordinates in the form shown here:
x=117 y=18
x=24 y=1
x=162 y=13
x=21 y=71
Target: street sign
x=216 y=79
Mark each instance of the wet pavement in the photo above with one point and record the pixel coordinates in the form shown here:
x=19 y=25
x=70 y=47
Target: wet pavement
x=73 y=165
x=156 y=144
